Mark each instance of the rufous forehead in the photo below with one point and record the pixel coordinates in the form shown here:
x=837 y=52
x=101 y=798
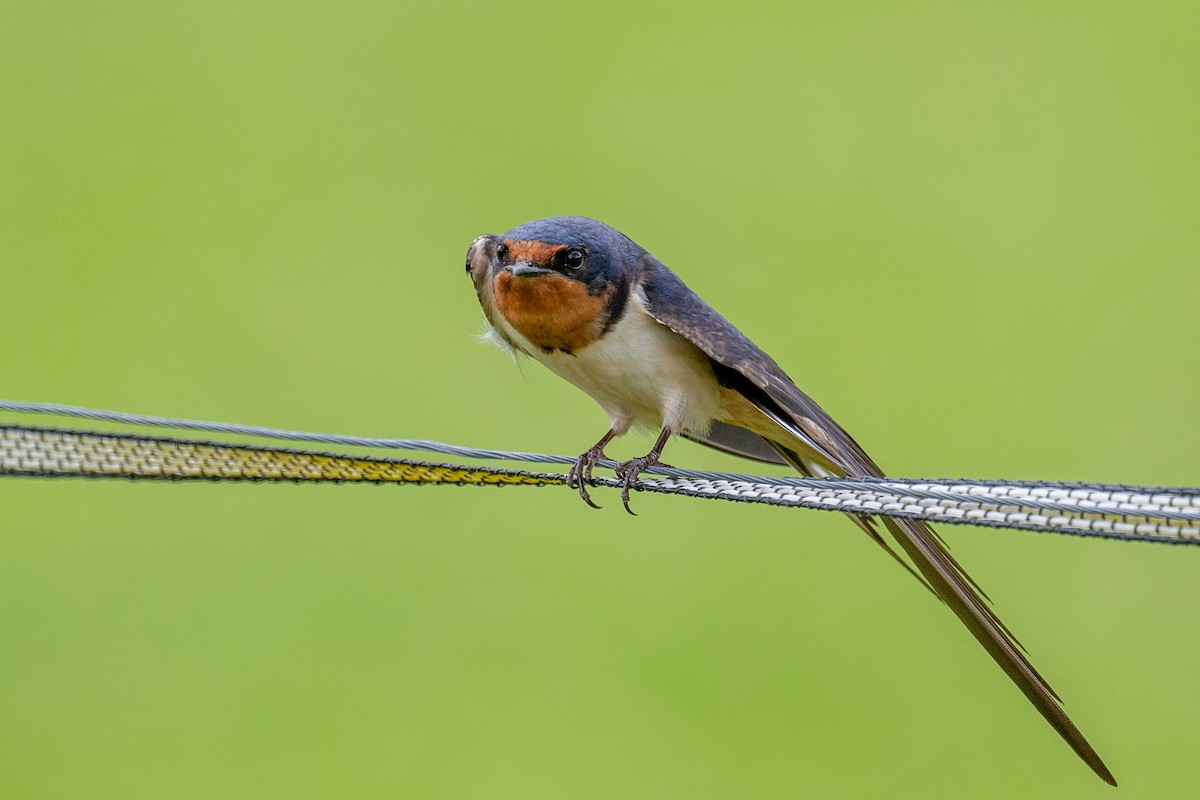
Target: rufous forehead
x=532 y=250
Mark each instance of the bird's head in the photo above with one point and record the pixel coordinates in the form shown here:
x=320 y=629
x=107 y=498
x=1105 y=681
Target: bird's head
x=561 y=282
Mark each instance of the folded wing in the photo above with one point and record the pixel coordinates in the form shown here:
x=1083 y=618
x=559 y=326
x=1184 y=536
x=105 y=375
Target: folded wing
x=811 y=440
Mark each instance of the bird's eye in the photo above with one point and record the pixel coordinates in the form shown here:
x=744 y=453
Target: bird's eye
x=501 y=251
x=573 y=258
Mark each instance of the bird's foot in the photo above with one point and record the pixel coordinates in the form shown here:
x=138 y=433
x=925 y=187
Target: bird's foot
x=628 y=473
x=580 y=474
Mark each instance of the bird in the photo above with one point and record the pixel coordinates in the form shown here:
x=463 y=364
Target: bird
x=600 y=311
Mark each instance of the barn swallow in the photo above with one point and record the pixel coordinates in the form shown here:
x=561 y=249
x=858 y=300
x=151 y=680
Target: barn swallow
x=601 y=312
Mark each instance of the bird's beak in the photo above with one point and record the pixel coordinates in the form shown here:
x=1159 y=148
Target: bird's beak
x=527 y=269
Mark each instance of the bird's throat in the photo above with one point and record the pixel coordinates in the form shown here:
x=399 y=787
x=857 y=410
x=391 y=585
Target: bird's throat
x=552 y=312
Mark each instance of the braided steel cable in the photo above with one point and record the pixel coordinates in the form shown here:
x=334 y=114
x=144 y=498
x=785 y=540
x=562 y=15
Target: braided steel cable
x=55 y=409
x=1100 y=510
x=29 y=451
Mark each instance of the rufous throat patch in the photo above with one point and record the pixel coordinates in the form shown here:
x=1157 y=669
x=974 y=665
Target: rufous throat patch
x=553 y=312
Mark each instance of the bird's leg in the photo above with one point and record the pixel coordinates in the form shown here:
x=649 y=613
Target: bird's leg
x=581 y=473
x=630 y=469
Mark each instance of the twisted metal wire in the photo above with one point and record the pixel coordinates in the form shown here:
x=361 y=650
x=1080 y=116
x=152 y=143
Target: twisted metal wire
x=1102 y=510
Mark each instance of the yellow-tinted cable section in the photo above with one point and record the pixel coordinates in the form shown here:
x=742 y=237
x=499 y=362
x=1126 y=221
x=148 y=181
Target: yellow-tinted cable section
x=49 y=452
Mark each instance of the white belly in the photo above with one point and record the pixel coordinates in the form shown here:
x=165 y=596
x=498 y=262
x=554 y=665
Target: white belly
x=641 y=372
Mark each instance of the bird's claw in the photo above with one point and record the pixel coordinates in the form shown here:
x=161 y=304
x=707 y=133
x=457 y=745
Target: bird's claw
x=580 y=474
x=628 y=473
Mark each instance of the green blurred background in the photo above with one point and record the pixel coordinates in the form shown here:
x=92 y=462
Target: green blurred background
x=970 y=233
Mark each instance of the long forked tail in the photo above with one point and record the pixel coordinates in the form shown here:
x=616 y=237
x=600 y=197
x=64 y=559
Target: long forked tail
x=954 y=587
x=814 y=444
